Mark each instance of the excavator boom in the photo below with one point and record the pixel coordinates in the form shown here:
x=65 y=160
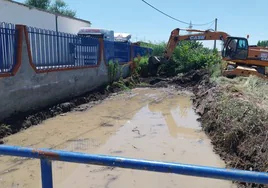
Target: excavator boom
x=201 y=35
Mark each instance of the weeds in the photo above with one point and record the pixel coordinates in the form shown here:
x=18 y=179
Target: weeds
x=116 y=81
x=114 y=70
x=5 y=130
x=235 y=118
x=120 y=85
x=252 y=88
x=142 y=66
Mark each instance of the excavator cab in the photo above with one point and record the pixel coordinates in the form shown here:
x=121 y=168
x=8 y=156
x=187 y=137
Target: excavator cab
x=235 y=48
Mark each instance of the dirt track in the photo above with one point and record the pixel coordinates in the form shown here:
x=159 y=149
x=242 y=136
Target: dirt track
x=157 y=124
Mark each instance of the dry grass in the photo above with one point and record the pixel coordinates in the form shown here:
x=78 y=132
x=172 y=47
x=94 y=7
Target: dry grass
x=252 y=88
x=236 y=119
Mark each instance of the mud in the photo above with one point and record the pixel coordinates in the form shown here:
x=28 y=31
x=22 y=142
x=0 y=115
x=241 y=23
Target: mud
x=185 y=81
x=23 y=120
x=20 y=121
x=145 y=123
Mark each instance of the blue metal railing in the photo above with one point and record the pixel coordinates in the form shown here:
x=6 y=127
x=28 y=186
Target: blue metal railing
x=46 y=156
x=86 y=50
x=141 y=51
x=117 y=52
x=108 y=51
x=8 y=47
x=51 y=49
x=122 y=52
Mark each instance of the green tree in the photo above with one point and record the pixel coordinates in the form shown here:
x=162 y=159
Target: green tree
x=263 y=43
x=60 y=7
x=42 y=4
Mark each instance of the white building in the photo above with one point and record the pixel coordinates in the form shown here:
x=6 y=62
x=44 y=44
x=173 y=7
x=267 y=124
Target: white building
x=18 y=13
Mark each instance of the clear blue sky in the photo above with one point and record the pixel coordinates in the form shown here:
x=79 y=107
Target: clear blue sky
x=236 y=17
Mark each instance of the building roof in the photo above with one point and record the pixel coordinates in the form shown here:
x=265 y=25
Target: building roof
x=30 y=7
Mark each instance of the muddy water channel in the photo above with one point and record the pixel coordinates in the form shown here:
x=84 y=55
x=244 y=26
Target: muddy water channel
x=145 y=123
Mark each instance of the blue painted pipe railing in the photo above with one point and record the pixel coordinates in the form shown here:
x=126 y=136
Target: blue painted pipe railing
x=46 y=156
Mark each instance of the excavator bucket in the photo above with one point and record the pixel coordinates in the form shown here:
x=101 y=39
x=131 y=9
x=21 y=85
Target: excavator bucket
x=154 y=60
x=153 y=64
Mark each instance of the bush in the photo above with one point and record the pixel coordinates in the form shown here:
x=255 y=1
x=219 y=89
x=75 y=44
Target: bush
x=187 y=56
x=190 y=55
x=113 y=71
x=158 y=49
x=142 y=66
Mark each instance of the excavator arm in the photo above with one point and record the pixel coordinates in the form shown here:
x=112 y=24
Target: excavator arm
x=175 y=38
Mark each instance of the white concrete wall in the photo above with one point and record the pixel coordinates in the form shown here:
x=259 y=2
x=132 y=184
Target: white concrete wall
x=12 y=12
x=68 y=25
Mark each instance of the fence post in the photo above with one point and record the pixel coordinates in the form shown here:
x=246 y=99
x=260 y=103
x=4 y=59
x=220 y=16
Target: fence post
x=19 y=31
x=46 y=173
x=57 y=35
x=131 y=52
x=101 y=51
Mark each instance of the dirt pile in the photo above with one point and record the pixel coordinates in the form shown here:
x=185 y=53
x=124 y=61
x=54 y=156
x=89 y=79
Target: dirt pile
x=186 y=81
x=191 y=79
x=237 y=126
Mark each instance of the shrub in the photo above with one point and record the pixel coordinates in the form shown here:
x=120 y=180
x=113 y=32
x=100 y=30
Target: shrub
x=113 y=71
x=187 y=56
x=142 y=66
x=190 y=55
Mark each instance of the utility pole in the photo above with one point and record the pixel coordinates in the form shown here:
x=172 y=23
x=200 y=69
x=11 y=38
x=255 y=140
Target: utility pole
x=216 y=24
x=190 y=27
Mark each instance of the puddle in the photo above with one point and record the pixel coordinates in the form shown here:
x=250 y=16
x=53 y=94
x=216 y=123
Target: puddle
x=154 y=124
x=178 y=114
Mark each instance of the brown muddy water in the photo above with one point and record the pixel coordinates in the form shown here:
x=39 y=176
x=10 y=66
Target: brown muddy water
x=145 y=123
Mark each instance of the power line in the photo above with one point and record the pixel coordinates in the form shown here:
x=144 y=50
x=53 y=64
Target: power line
x=173 y=17
x=209 y=27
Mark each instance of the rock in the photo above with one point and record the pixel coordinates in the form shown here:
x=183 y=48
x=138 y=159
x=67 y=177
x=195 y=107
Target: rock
x=67 y=106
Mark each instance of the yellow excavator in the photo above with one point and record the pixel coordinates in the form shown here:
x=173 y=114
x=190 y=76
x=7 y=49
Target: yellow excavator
x=242 y=59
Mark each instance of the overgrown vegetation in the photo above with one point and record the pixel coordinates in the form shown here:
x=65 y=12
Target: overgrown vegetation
x=116 y=81
x=234 y=114
x=113 y=71
x=142 y=66
x=253 y=88
x=188 y=56
x=4 y=130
